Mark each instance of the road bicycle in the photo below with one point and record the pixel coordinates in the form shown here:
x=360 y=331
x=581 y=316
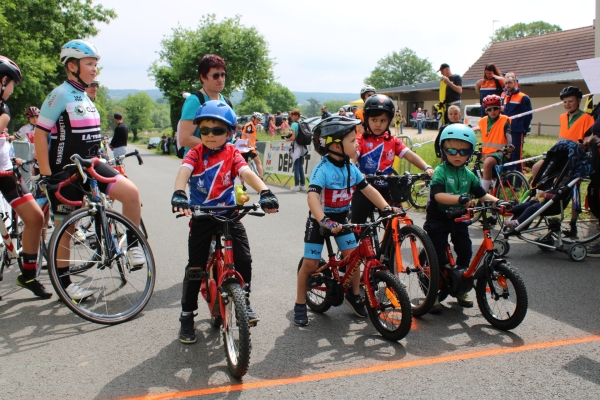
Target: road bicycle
x=500 y=290
x=387 y=302
x=405 y=248
x=98 y=262
x=223 y=287
x=11 y=226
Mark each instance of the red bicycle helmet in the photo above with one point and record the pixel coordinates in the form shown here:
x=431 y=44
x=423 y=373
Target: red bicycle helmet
x=32 y=112
x=492 y=100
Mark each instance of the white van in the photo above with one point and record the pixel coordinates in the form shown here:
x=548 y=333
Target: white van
x=471 y=115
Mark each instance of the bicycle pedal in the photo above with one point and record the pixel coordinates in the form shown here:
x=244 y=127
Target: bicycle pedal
x=195 y=273
x=253 y=323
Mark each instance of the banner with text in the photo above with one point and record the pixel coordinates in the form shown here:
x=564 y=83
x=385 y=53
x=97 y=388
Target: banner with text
x=277 y=159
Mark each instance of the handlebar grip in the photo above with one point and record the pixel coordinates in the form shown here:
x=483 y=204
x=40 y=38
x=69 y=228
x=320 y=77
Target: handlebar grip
x=462 y=219
x=139 y=158
x=457 y=214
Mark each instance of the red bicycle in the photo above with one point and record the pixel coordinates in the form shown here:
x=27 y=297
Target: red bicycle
x=387 y=302
x=222 y=286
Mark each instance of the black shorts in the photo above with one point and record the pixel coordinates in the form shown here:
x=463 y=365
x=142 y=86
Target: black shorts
x=249 y=155
x=74 y=191
x=8 y=187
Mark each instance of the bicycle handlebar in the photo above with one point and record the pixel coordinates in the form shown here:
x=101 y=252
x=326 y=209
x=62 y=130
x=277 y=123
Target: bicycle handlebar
x=407 y=175
x=208 y=211
x=118 y=160
x=467 y=213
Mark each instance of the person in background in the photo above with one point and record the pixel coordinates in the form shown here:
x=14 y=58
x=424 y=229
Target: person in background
x=342 y=112
x=118 y=144
x=453 y=84
x=454 y=118
x=92 y=90
x=278 y=122
x=491 y=83
x=272 y=126
x=365 y=93
x=297 y=152
x=325 y=113
x=399 y=121
x=420 y=118
x=238 y=131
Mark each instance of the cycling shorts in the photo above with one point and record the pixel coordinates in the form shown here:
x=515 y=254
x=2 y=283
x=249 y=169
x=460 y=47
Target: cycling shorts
x=313 y=240
x=250 y=155
x=74 y=192
x=497 y=156
x=8 y=187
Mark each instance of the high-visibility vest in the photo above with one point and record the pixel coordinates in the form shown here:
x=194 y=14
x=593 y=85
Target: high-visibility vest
x=495 y=139
x=577 y=129
x=249 y=132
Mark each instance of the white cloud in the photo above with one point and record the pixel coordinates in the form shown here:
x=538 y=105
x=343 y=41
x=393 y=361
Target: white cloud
x=324 y=46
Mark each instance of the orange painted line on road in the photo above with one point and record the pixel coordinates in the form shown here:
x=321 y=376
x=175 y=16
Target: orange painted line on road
x=367 y=370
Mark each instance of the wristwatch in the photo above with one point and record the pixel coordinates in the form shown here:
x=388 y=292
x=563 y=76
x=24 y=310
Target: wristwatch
x=427 y=167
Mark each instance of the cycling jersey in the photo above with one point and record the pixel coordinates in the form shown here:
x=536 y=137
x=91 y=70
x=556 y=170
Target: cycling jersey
x=249 y=132
x=213 y=174
x=73 y=122
x=329 y=180
x=376 y=153
x=25 y=133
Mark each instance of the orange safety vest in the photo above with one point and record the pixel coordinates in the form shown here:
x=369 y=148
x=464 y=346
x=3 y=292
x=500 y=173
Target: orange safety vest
x=249 y=132
x=577 y=129
x=360 y=114
x=495 y=139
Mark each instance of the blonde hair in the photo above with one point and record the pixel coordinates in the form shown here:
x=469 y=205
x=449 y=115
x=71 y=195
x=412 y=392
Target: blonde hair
x=454 y=107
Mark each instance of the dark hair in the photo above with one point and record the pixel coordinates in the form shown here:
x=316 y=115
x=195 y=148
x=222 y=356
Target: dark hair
x=117 y=116
x=491 y=67
x=209 y=61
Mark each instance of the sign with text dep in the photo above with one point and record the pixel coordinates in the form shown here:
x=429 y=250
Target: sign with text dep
x=277 y=159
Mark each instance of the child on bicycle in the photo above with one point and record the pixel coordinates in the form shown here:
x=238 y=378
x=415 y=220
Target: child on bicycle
x=72 y=122
x=376 y=150
x=451 y=185
x=19 y=198
x=332 y=184
x=211 y=168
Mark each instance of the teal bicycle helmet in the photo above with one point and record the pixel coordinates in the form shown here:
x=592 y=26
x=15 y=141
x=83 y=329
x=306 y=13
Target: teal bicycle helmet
x=457 y=132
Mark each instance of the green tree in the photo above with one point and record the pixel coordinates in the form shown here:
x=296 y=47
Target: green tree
x=280 y=98
x=33 y=31
x=252 y=105
x=138 y=112
x=102 y=103
x=333 y=106
x=401 y=68
x=245 y=51
x=312 y=108
x=522 y=30
x=161 y=116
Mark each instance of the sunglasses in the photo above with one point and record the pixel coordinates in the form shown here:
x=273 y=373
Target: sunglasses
x=218 y=75
x=492 y=109
x=452 y=152
x=204 y=131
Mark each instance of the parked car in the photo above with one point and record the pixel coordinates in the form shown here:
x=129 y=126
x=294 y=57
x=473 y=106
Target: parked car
x=471 y=115
x=154 y=142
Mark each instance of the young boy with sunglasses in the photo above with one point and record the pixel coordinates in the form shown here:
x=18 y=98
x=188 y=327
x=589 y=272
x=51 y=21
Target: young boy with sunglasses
x=451 y=185
x=211 y=168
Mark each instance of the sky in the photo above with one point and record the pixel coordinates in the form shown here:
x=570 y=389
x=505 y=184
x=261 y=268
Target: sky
x=324 y=46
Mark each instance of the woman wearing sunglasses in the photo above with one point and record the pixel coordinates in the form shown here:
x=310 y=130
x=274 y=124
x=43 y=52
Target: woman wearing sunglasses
x=495 y=136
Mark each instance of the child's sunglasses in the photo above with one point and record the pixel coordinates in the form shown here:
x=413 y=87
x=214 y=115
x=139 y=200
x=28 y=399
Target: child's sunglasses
x=492 y=109
x=452 y=152
x=204 y=131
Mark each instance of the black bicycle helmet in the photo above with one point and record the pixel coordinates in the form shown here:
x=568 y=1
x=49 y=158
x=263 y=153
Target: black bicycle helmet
x=10 y=69
x=571 y=91
x=332 y=130
x=378 y=103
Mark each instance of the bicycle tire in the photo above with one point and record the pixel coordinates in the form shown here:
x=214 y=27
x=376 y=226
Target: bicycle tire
x=421 y=278
x=236 y=338
x=419 y=193
x=512 y=193
x=317 y=299
x=143 y=228
x=120 y=290
x=386 y=289
x=587 y=230
x=494 y=309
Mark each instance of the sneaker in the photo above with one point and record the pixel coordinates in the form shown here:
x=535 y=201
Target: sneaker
x=295 y=188
x=79 y=235
x=35 y=286
x=464 y=300
x=300 y=315
x=187 y=333
x=302 y=188
x=136 y=257
x=511 y=223
x=437 y=307
x=571 y=232
x=252 y=315
x=76 y=292
x=593 y=250
x=356 y=304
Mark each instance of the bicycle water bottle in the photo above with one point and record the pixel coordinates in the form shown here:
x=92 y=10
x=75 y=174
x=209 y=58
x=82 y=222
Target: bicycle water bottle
x=95 y=190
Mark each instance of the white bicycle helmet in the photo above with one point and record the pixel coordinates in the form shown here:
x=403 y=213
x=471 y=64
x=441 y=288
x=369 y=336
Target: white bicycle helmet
x=78 y=49
x=367 y=89
x=258 y=116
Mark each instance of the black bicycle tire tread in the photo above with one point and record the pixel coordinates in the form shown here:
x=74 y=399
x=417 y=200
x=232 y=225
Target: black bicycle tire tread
x=60 y=291
x=238 y=297
x=326 y=304
x=405 y=324
x=520 y=293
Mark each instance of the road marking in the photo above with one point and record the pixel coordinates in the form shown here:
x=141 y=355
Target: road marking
x=368 y=370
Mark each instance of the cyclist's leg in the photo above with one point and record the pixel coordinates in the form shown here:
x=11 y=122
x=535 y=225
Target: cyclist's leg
x=313 y=246
x=201 y=233
x=438 y=232
x=361 y=208
x=258 y=163
x=462 y=244
x=488 y=172
x=243 y=263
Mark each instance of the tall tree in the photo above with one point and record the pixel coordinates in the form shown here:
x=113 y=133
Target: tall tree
x=245 y=51
x=280 y=98
x=522 y=30
x=138 y=112
x=33 y=31
x=313 y=107
x=334 y=106
x=401 y=68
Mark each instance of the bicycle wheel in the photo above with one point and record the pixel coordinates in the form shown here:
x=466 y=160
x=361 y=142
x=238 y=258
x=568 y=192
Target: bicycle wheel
x=236 y=336
x=586 y=229
x=317 y=299
x=419 y=193
x=143 y=228
x=393 y=316
x=504 y=307
x=511 y=190
x=420 y=276
x=120 y=291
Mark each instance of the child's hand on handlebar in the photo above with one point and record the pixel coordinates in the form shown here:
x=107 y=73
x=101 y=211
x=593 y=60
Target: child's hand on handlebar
x=333 y=226
x=180 y=204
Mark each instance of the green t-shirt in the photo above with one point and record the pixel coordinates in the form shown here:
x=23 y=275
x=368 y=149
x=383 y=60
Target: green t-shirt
x=452 y=180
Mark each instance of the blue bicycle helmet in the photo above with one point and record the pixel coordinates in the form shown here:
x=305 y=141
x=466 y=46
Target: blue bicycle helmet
x=216 y=109
x=78 y=49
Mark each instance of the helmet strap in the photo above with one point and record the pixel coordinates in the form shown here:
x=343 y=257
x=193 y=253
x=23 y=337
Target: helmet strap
x=346 y=159
x=76 y=75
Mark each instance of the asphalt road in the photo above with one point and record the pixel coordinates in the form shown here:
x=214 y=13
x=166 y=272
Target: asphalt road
x=46 y=352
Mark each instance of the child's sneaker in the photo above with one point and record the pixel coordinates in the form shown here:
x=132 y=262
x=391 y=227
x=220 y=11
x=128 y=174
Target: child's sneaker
x=187 y=333
x=35 y=286
x=356 y=304
x=464 y=300
x=295 y=188
x=300 y=315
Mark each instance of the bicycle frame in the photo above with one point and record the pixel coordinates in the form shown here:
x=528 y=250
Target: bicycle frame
x=6 y=237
